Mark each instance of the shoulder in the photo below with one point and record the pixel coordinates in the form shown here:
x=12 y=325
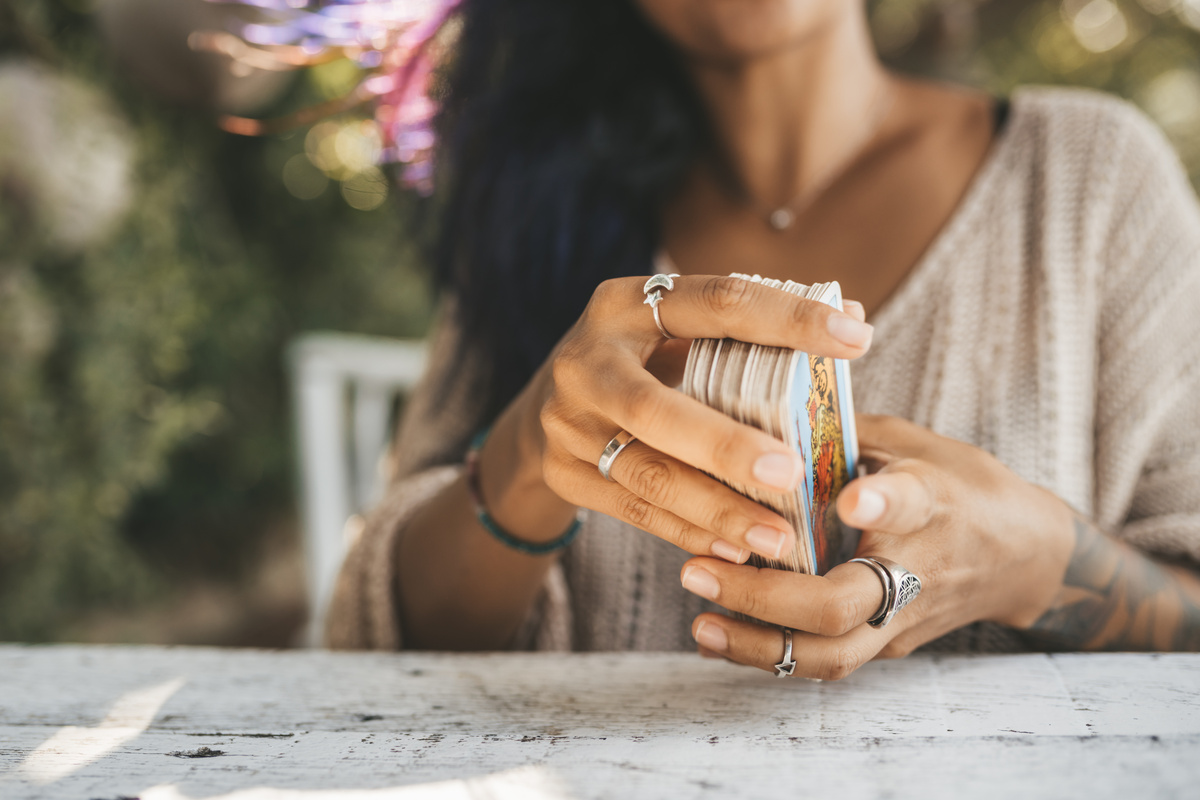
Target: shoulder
x=1094 y=142
x=1084 y=119
x=1102 y=174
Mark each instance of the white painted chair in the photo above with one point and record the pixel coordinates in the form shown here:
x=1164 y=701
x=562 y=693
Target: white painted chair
x=344 y=388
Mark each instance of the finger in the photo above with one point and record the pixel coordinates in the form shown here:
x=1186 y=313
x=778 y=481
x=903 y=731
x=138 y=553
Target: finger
x=673 y=423
x=826 y=658
x=580 y=483
x=669 y=360
x=690 y=494
x=894 y=437
x=829 y=605
x=855 y=309
x=895 y=500
x=713 y=307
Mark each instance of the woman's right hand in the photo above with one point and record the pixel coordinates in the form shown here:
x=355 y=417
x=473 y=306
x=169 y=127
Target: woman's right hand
x=596 y=383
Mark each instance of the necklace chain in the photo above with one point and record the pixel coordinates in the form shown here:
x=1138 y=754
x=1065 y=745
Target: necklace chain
x=782 y=217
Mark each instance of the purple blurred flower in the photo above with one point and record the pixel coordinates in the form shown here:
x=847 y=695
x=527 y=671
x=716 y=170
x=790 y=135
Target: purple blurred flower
x=392 y=41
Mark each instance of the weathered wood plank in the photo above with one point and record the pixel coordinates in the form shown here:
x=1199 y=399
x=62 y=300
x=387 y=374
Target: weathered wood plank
x=99 y=722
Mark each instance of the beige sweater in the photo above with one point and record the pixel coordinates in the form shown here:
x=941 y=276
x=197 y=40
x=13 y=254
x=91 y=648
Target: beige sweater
x=1054 y=322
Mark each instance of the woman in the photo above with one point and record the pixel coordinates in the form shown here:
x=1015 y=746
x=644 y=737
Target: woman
x=1030 y=275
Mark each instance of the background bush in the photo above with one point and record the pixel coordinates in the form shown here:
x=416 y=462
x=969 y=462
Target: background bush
x=152 y=270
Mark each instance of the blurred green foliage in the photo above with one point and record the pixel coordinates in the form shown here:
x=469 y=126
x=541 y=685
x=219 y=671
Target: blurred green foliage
x=146 y=297
x=1147 y=51
x=145 y=436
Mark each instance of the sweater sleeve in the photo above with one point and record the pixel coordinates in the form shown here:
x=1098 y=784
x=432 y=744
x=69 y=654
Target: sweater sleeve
x=1148 y=372
x=435 y=429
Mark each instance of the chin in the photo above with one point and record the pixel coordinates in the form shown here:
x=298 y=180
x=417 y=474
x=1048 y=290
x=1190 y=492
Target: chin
x=735 y=30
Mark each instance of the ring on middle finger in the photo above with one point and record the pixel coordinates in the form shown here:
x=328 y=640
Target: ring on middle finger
x=613 y=449
x=900 y=587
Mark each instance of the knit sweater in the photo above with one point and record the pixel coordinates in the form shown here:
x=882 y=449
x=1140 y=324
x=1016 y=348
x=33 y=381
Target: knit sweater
x=1054 y=322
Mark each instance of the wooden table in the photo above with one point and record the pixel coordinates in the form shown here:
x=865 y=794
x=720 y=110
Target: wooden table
x=111 y=722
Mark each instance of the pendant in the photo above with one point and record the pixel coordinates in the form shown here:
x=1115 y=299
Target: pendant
x=781 y=218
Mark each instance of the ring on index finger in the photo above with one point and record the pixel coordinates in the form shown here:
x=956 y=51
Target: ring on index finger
x=653 y=290
x=611 y=451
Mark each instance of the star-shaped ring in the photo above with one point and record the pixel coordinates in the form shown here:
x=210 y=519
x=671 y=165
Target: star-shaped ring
x=787 y=666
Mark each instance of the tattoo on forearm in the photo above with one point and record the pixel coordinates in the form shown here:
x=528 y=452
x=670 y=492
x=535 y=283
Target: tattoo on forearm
x=1116 y=598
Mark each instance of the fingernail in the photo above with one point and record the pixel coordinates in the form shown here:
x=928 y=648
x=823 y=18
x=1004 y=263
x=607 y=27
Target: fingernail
x=766 y=541
x=847 y=330
x=778 y=470
x=870 y=506
x=701 y=582
x=854 y=309
x=729 y=552
x=711 y=635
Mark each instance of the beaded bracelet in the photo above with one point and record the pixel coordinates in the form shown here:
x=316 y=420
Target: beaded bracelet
x=485 y=519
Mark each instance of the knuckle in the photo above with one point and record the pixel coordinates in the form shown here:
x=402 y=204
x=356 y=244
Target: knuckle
x=897 y=648
x=803 y=312
x=645 y=405
x=723 y=519
x=725 y=448
x=555 y=472
x=552 y=416
x=752 y=604
x=688 y=537
x=610 y=296
x=567 y=364
x=835 y=617
x=651 y=479
x=726 y=294
x=635 y=510
x=841 y=663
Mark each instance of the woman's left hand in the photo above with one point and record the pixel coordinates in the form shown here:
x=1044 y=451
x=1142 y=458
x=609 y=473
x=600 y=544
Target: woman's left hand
x=985 y=544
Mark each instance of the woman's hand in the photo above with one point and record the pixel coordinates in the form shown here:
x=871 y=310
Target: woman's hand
x=985 y=544
x=601 y=379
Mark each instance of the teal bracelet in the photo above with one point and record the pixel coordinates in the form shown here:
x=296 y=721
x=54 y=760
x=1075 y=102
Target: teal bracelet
x=489 y=524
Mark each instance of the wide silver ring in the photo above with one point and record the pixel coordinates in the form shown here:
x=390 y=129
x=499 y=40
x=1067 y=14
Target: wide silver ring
x=653 y=290
x=611 y=451
x=786 y=666
x=900 y=587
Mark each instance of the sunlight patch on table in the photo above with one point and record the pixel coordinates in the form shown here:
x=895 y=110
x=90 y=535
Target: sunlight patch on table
x=73 y=747
x=523 y=783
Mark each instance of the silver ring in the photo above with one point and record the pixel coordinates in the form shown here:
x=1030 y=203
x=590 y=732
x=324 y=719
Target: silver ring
x=653 y=290
x=900 y=587
x=611 y=451
x=787 y=666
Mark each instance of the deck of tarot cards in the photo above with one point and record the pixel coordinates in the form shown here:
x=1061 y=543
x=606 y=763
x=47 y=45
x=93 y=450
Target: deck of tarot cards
x=804 y=400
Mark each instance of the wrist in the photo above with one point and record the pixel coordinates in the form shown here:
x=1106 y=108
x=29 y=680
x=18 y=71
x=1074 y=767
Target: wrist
x=1048 y=559
x=512 y=485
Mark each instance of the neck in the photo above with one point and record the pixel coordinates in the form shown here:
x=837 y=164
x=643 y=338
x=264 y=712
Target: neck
x=782 y=119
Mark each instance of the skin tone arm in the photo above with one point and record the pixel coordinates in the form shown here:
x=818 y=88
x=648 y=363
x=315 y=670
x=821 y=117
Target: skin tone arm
x=461 y=589
x=986 y=545
x=786 y=83
x=1114 y=597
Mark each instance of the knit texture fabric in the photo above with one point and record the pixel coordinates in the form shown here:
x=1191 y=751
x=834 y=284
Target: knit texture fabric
x=1054 y=322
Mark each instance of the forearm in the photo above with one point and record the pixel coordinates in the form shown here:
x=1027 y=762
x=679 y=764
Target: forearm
x=458 y=588
x=1115 y=597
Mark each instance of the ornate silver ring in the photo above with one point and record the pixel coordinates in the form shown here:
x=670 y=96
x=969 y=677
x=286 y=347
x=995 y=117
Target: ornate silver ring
x=900 y=587
x=653 y=290
x=611 y=451
x=787 y=666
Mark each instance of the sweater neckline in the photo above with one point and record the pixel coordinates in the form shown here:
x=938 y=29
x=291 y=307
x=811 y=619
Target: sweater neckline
x=973 y=199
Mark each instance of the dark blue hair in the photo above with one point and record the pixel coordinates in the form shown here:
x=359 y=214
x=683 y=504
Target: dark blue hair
x=565 y=124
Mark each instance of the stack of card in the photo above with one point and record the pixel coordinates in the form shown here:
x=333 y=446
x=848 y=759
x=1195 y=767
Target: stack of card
x=805 y=401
